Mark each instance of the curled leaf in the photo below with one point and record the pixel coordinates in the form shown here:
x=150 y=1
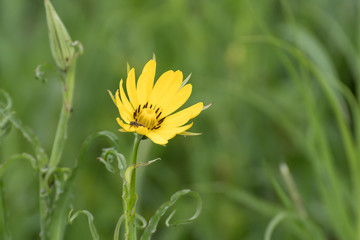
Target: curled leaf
x=25 y=156
x=188 y=220
x=151 y=228
x=62 y=203
x=5 y=101
x=109 y=156
x=46 y=71
x=79 y=48
x=121 y=219
x=71 y=218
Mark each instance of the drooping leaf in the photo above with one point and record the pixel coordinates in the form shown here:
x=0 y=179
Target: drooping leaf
x=110 y=156
x=46 y=71
x=57 y=226
x=153 y=223
x=25 y=156
x=130 y=169
x=71 y=218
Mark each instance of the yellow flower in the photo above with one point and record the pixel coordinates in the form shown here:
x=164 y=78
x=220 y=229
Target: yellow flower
x=149 y=109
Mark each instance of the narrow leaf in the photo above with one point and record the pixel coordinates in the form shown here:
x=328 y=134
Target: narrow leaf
x=46 y=71
x=129 y=170
x=151 y=228
x=25 y=156
x=58 y=216
x=108 y=157
x=94 y=233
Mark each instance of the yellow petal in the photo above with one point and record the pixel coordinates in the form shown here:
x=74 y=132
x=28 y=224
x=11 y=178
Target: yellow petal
x=182 y=117
x=178 y=100
x=170 y=132
x=131 y=89
x=146 y=82
x=124 y=113
x=124 y=99
x=172 y=91
x=156 y=138
x=161 y=87
x=125 y=127
x=141 y=130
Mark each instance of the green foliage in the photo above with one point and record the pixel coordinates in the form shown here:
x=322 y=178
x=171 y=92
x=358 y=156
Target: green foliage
x=284 y=79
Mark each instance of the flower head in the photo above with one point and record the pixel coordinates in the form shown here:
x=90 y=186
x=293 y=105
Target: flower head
x=148 y=109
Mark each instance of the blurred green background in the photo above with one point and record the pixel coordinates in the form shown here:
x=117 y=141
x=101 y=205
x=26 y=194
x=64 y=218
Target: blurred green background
x=211 y=39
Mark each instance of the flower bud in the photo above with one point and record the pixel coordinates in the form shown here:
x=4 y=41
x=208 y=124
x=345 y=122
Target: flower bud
x=61 y=44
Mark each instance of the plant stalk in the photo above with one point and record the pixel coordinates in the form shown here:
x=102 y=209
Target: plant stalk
x=130 y=196
x=61 y=130
x=56 y=153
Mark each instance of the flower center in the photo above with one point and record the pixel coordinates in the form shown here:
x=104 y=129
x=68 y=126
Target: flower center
x=147 y=116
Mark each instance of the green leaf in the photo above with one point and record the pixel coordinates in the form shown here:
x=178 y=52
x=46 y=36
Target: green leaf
x=6 y=102
x=94 y=233
x=58 y=216
x=121 y=219
x=129 y=170
x=5 y=113
x=32 y=139
x=8 y=117
x=46 y=71
x=108 y=156
x=309 y=231
x=25 y=156
x=117 y=229
x=151 y=228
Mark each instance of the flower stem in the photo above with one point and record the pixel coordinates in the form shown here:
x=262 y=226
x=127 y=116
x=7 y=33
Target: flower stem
x=57 y=150
x=60 y=136
x=130 y=196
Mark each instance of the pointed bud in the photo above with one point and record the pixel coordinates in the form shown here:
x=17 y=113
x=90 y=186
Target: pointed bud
x=61 y=44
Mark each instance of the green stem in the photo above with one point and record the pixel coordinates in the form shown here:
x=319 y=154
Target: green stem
x=131 y=197
x=57 y=150
x=43 y=208
x=3 y=223
x=60 y=136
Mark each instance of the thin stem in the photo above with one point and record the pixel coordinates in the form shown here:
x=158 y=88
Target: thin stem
x=60 y=136
x=130 y=196
x=3 y=211
x=4 y=234
x=43 y=208
x=57 y=150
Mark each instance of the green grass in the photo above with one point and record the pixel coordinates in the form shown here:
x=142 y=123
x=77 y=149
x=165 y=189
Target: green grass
x=284 y=80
